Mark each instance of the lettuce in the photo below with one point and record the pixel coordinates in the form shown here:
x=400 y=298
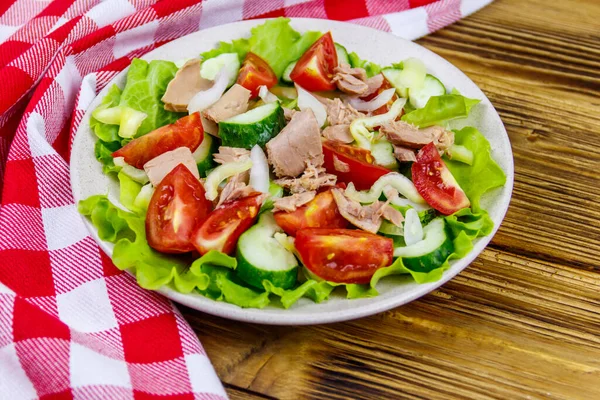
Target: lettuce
x=145 y=86
x=128 y=191
x=109 y=140
x=275 y=41
x=440 y=109
x=484 y=173
x=357 y=62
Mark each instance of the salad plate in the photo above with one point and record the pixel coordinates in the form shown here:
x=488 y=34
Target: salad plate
x=88 y=178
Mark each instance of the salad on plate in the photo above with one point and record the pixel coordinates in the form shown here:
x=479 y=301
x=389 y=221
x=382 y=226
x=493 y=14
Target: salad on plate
x=282 y=166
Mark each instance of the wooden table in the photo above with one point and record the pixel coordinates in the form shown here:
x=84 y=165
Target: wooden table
x=523 y=320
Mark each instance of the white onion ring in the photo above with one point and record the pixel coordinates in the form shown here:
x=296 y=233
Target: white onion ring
x=306 y=100
x=373 y=104
x=259 y=172
x=266 y=95
x=206 y=98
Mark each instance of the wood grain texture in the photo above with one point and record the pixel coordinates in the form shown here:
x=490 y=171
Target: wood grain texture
x=523 y=321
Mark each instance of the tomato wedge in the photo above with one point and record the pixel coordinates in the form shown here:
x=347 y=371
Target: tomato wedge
x=343 y=255
x=314 y=70
x=256 y=72
x=226 y=223
x=360 y=168
x=320 y=212
x=185 y=132
x=386 y=107
x=177 y=207
x=435 y=183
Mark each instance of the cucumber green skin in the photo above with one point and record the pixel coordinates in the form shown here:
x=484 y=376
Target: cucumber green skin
x=254 y=276
x=432 y=260
x=342 y=54
x=288 y=70
x=208 y=163
x=248 y=135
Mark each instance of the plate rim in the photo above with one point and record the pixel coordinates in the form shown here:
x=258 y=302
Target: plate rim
x=264 y=316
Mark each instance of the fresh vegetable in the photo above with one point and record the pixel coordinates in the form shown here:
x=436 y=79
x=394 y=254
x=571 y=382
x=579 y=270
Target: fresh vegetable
x=259 y=172
x=360 y=168
x=383 y=154
x=343 y=255
x=138 y=175
x=256 y=72
x=223 y=227
x=230 y=62
x=206 y=98
x=307 y=101
x=204 y=154
x=185 y=132
x=460 y=153
x=360 y=127
x=266 y=96
x=254 y=127
x=142 y=200
x=285 y=77
x=411 y=76
x=177 y=207
x=431 y=87
x=314 y=70
x=342 y=54
x=435 y=183
x=320 y=212
x=380 y=100
x=261 y=257
x=440 y=109
x=430 y=252
x=394 y=180
x=413 y=230
x=370 y=67
x=221 y=173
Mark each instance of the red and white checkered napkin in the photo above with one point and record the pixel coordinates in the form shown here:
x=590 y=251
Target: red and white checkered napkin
x=71 y=324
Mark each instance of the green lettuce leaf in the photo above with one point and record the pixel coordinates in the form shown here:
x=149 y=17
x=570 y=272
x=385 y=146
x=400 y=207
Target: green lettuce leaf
x=145 y=86
x=275 y=41
x=357 y=62
x=440 y=109
x=103 y=153
x=484 y=174
x=108 y=141
x=129 y=189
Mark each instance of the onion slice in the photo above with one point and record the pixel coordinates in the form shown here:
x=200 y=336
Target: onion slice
x=265 y=95
x=306 y=100
x=259 y=172
x=206 y=98
x=413 y=230
x=373 y=104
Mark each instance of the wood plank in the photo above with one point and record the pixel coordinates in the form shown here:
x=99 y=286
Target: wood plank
x=507 y=327
x=236 y=393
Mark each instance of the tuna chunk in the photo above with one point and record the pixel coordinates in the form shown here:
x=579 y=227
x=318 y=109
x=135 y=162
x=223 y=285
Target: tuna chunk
x=338 y=133
x=373 y=83
x=186 y=83
x=230 y=154
x=297 y=145
x=291 y=203
x=339 y=113
x=340 y=165
x=350 y=80
x=235 y=188
x=363 y=217
x=403 y=154
x=160 y=166
x=389 y=213
x=406 y=135
x=232 y=103
x=312 y=179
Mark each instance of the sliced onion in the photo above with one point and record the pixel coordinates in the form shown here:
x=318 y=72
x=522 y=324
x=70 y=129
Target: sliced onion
x=259 y=173
x=397 y=181
x=413 y=230
x=265 y=95
x=306 y=100
x=206 y=98
x=373 y=104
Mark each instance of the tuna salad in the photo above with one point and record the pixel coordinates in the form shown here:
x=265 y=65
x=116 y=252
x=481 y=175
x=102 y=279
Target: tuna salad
x=257 y=176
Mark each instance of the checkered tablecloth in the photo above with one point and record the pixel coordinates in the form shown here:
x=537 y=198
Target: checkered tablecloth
x=71 y=324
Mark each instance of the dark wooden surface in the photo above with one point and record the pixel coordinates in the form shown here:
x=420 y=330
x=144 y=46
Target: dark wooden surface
x=523 y=320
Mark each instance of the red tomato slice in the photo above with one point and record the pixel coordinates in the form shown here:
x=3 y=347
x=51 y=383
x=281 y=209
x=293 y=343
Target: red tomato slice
x=361 y=170
x=314 y=70
x=177 y=207
x=435 y=183
x=343 y=255
x=256 y=72
x=226 y=223
x=185 y=132
x=320 y=212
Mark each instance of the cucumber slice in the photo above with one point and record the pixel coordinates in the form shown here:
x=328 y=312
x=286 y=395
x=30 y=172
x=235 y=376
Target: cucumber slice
x=431 y=252
x=260 y=256
x=389 y=229
x=138 y=175
x=383 y=153
x=211 y=67
x=253 y=127
x=204 y=154
x=394 y=76
x=410 y=76
x=431 y=87
x=342 y=54
x=287 y=72
x=142 y=200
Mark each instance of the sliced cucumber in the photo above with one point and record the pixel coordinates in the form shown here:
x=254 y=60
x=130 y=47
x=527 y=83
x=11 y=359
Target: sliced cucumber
x=394 y=76
x=431 y=252
x=432 y=86
x=204 y=154
x=211 y=67
x=390 y=229
x=253 y=127
x=138 y=175
x=288 y=71
x=142 y=200
x=410 y=76
x=383 y=153
x=457 y=152
x=342 y=54
x=260 y=256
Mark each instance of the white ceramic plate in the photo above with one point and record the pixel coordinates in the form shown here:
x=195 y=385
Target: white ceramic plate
x=383 y=48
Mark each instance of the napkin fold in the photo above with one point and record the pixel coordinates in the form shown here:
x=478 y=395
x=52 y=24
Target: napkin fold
x=71 y=324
